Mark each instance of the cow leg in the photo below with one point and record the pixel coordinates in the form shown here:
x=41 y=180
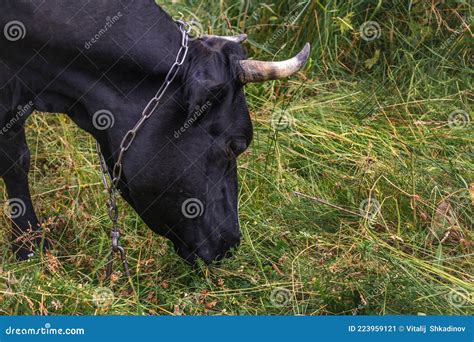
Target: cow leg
x=14 y=168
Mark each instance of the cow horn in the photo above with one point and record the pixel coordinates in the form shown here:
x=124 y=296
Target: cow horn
x=235 y=39
x=257 y=71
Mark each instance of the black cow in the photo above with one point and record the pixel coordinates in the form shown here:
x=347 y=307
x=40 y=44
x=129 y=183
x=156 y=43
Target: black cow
x=100 y=62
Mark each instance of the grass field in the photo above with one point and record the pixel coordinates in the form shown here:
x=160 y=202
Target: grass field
x=356 y=196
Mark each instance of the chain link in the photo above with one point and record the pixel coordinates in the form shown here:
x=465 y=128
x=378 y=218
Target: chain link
x=111 y=182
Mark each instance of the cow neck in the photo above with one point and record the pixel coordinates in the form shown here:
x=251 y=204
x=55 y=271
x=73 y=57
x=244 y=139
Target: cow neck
x=111 y=181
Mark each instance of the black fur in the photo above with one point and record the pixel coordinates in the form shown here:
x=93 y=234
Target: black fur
x=59 y=69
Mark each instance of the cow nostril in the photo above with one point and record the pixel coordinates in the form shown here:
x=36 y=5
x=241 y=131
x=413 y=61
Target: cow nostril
x=233 y=240
x=209 y=254
x=206 y=255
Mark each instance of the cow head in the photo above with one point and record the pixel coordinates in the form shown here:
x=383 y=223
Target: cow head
x=194 y=197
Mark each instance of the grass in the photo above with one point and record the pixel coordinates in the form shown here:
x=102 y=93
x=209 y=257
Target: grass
x=352 y=128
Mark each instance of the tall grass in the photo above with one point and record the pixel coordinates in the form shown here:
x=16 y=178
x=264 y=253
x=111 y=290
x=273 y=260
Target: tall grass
x=413 y=34
x=366 y=122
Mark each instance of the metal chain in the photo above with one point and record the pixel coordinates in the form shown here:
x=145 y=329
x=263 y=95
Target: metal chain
x=111 y=182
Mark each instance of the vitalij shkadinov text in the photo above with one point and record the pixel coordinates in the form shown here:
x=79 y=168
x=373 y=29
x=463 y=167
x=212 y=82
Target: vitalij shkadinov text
x=433 y=328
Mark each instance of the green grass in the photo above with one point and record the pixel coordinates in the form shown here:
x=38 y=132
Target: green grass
x=359 y=129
